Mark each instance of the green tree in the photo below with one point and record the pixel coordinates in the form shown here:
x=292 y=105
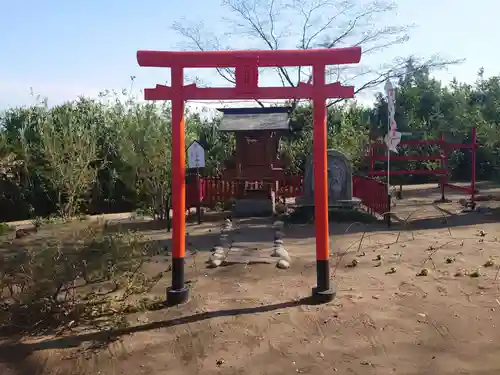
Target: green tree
x=144 y=145
x=69 y=152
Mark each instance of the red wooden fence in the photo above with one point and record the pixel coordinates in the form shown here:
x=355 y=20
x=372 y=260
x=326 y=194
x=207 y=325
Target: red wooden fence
x=216 y=189
x=372 y=193
x=292 y=186
x=442 y=157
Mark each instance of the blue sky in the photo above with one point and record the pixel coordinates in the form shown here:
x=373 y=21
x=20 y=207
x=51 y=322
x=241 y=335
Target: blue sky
x=66 y=48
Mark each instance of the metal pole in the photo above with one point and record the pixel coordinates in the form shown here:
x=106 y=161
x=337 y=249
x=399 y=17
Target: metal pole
x=372 y=157
x=474 y=147
x=198 y=195
x=444 y=165
x=322 y=292
x=388 y=215
x=178 y=293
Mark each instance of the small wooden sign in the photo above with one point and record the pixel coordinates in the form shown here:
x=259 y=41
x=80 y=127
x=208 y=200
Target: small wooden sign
x=196 y=155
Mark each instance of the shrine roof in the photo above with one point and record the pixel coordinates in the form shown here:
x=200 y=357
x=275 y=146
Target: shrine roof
x=251 y=119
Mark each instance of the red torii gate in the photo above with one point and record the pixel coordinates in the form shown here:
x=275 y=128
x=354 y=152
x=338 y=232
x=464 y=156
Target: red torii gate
x=246 y=64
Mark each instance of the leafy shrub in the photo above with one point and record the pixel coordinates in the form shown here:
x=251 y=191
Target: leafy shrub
x=80 y=278
x=5 y=228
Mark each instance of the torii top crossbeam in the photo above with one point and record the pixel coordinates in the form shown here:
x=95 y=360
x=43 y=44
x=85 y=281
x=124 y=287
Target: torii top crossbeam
x=246 y=64
x=230 y=59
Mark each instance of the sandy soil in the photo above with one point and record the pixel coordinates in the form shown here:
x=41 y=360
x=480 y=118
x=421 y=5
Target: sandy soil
x=255 y=319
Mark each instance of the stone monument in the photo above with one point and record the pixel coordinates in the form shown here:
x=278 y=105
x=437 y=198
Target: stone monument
x=339 y=181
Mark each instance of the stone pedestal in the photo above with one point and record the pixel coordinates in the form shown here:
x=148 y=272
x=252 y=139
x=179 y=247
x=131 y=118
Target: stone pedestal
x=253 y=207
x=220 y=252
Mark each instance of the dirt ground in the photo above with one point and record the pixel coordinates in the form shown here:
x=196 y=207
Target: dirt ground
x=255 y=319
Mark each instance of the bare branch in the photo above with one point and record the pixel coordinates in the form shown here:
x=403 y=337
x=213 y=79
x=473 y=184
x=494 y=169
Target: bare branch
x=271 y=22
x=305 y=24
x=327 y=25
x=193 y=34
x=257 y=26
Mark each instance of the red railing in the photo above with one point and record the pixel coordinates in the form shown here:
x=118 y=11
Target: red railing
x=291 y=186
x=216 y=189
x=442 y=157
x=372 y=193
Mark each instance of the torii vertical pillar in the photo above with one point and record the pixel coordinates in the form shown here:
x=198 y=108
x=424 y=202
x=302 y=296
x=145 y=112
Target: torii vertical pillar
x=178 y=292
x=322 y=292
x=246 y=64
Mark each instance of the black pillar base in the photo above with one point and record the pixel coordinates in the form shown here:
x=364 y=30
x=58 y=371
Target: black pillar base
x=177 y=296
x=178 y=293
x=323 y=293
x=323 y=296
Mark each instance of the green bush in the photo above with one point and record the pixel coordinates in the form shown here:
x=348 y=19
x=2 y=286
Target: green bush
x=88 y=274
x=5 y=229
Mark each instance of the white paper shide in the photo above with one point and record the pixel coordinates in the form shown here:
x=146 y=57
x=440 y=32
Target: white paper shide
x=393 y=137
